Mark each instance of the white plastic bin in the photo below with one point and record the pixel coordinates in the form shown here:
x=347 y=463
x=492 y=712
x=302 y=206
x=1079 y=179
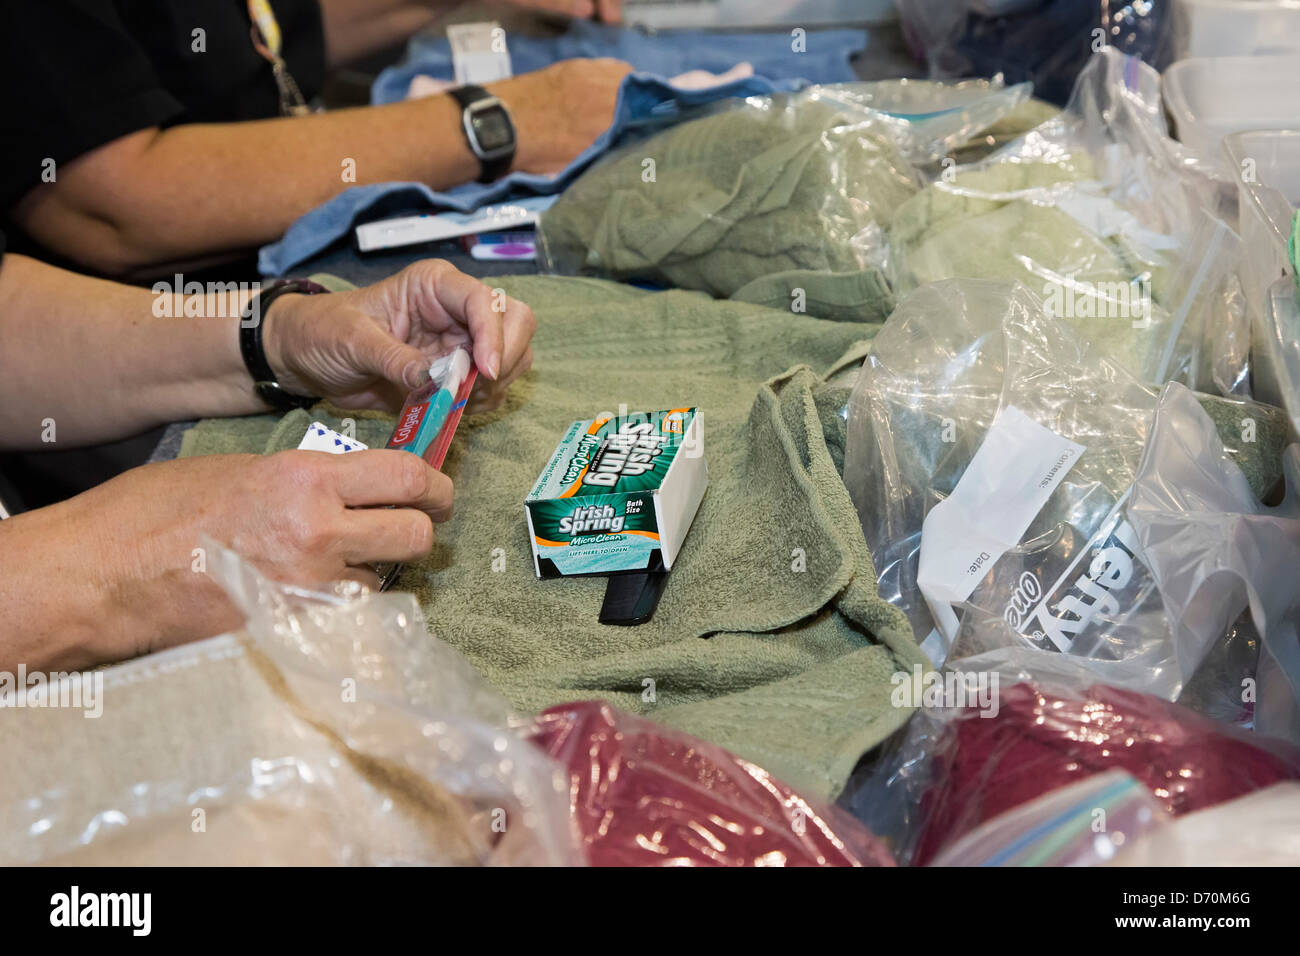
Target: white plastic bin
x=1210 y=97
x=1236 y=27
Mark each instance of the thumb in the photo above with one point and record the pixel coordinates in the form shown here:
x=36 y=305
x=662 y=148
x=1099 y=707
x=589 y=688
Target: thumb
x=378 y=353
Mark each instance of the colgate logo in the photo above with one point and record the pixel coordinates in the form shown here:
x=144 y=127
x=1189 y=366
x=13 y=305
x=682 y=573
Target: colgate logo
x=408 y=426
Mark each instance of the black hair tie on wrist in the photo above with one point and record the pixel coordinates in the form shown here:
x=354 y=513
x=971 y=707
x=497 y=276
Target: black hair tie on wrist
x=265 y=384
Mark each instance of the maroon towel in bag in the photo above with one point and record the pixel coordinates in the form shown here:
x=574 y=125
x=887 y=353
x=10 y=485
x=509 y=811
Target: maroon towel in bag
x=646 y=795
x=983 y=766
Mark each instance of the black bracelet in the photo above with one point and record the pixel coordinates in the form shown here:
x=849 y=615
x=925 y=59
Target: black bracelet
x=265 y=384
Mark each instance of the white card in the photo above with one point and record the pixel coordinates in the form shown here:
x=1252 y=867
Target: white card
x=478 y=53
x=1006 y=484
x=323 y=438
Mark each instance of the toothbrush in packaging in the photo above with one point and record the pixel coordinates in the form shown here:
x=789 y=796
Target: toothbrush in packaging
x=428 y=421
x=431 y=413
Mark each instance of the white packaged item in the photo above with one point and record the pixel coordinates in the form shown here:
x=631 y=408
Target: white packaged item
x=1259 y=829
x=334 y=730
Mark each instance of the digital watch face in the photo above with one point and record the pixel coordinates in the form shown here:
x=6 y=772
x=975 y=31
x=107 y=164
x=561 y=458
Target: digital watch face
x=492 y=129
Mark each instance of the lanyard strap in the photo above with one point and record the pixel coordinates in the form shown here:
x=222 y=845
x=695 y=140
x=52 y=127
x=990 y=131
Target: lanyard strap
x=268 y=42
x=266 y=29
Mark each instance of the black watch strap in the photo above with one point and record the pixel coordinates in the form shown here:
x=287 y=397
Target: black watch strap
x=491 y=168
x=253 y=351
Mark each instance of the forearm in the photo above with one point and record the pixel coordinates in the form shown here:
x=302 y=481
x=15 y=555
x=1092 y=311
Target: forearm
x=56 y=615
x=358 y=28
x=199 y=189
x=111 y=573
x=85 y=360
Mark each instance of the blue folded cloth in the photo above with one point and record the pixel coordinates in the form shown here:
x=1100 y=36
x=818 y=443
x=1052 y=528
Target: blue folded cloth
x=824 y=59
x=645 y=102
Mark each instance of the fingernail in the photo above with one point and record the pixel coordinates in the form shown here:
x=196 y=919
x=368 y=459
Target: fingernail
x=416 y=374
x=494 y=367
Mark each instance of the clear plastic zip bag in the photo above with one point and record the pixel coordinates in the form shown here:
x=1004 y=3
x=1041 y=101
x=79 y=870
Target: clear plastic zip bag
x=1216 y=552
x=963 y=774
x=766 y=185
x=333 y=730
x=1119 y=230
x=990 y=454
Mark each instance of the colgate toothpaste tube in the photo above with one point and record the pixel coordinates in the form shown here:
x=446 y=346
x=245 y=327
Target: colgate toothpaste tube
x=429 y=418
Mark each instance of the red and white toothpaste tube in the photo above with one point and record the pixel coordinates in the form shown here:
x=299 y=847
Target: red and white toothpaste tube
x=431 y=413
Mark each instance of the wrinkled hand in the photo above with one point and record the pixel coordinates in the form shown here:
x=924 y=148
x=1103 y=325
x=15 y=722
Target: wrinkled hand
x=560 y=110
x=301 y=517
x=367 y=348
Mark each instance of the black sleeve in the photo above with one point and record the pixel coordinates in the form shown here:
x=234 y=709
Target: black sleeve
x=73 y=79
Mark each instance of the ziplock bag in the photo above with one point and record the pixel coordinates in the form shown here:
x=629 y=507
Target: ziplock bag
x=1215 y=551
x=769 y=185
x=959 y=766
x=941 y=117
x=1101 y=214
x=990 y=451
x=1259 y=829
x=1080 y=825
x=646 y=795
x=334 y=730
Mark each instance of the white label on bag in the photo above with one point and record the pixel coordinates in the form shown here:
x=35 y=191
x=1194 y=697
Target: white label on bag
x=1006 y=484
x=478 y=53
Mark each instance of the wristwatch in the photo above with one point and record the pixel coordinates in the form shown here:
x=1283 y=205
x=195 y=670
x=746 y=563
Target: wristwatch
x=489 y=130
x=265 y=384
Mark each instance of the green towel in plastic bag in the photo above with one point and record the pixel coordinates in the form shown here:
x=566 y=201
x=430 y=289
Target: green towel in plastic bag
x=792 y=183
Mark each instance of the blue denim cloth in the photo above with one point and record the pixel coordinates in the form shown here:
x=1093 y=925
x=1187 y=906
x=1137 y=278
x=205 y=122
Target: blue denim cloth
x=824 y=60
x=644 y=103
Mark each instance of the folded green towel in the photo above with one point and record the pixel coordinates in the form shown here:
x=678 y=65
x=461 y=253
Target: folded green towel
x=770 y=639
x=790 y=184
x=1025 y=117
x=844 y=296
x=1001 y=221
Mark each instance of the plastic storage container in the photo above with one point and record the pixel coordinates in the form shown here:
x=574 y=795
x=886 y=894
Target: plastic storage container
x=1236 y=27
x=1267 y=167
x=1210 y=97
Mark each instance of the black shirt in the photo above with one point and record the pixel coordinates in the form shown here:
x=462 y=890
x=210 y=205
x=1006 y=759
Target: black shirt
x=77 y=74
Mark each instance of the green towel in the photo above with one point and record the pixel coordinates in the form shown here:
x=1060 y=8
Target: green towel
x=1025 y=117
x=998 y=222
x=770 y=639
x=735 y=196
x=844 y=296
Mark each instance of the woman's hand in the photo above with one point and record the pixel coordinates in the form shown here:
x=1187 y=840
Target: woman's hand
x=114 y=572
x=368 y=347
